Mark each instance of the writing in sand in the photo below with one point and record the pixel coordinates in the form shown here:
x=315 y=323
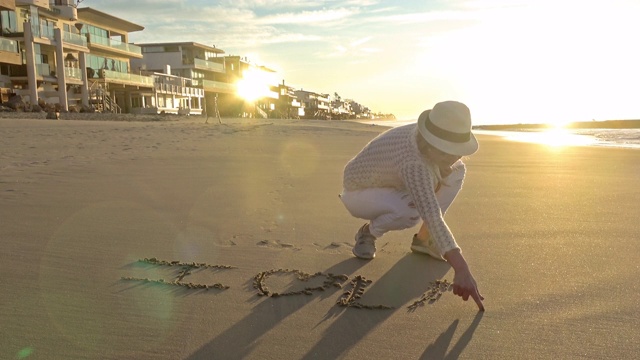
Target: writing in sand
x=349 y=298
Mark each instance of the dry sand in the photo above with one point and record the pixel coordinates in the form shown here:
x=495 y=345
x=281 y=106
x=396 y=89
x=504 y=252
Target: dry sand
x=551 y=235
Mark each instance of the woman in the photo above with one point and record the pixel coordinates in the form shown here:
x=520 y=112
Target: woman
x=412 y=173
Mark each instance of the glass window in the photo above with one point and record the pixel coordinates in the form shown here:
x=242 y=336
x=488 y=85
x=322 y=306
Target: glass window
x=152 y=49
x=9 y=22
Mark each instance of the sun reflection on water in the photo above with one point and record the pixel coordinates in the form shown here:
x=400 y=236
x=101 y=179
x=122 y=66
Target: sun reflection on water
x=555 y=137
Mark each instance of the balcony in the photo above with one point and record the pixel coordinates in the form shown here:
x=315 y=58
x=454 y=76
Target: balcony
x=75 y=39
x=20 y=71
x=179 y=90
x=41 y=3
x=45 y=32
x=66 y=9
x=73 y=73
x=216 y=86
x=43 y=70
x=9 y=52
x=127 y=79
x=8 y=5
x=115 y=46
x=208 y=65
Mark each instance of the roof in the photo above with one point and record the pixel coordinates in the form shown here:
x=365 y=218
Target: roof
x=98 y=17
x=185 y=43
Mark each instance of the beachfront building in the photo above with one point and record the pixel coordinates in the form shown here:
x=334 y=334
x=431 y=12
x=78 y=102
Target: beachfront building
x=171 y=95
x=316 y=106
x=9 y=50
x=360 y=111
x=288 y=105
x=340 y=109
x=256 y=88
x=200 y=68
x=43 y=36
x=233 y=86
x=113 y=87
x=70 y=57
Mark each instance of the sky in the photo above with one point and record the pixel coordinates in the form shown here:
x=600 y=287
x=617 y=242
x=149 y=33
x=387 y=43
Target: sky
x=510 y=61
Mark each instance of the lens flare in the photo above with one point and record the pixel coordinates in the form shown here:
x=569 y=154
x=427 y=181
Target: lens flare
x=255 y=84
x=24 y=353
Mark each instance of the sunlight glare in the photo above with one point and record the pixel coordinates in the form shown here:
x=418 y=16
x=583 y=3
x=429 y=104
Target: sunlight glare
x=559 y=124
x=537 y=77
x=553 y=137
x=254 y=84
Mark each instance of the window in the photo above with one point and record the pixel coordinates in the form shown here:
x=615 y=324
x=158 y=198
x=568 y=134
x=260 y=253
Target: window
x=46 y=28
x=9 y=22
x=153 y=49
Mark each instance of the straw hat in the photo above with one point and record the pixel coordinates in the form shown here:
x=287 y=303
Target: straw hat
x=447 y=127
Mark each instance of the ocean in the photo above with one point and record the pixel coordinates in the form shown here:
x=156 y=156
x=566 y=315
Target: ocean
x=619 y=138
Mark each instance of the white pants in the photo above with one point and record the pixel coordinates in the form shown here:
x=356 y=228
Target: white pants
x=390 y=209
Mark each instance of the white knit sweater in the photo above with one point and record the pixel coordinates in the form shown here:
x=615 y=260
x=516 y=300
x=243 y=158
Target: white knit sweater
x=392 y=160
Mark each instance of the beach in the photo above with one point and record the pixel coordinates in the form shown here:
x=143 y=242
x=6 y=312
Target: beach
x=184 y=240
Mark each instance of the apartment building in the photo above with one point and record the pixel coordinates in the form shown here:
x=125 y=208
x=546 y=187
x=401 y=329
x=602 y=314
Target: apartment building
x=41 y=36
x=9 y=52
x=69 y=56
x=55 y=53
x=111 y=82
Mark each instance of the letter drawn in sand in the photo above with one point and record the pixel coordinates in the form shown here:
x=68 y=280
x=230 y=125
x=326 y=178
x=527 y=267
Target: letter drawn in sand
x=185 y=271
x=331 y=280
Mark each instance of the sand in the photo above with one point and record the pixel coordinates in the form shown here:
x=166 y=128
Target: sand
x=180 y=240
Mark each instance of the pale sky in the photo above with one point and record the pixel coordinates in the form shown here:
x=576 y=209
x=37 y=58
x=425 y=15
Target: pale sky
x=510 y=61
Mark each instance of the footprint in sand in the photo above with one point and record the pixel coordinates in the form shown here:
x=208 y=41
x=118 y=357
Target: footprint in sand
x=226 y=243
x=276 y=244
x=334 y=246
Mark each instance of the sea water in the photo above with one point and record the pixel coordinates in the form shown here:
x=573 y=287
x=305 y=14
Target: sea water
x=620 y=138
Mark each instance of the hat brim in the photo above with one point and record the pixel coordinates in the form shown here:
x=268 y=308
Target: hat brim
x=454 y=148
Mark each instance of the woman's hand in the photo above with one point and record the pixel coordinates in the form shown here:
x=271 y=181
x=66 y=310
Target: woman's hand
x=445 y=171
x=464 y=285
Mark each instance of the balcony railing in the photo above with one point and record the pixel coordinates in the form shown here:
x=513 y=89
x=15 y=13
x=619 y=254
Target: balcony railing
x=73 y=73
x=180 y=90
x=128 y=78
x=74 y=38
x=43 y=31
x=218 y=86
x=116 y=44
x=208 y=65
x=8 y=45
x=43 y=70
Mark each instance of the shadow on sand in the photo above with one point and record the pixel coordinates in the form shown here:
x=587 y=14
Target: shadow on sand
x=407 y=280
x=238 y=341
x=438 y=350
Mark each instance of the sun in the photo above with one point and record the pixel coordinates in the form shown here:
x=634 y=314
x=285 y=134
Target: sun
x=254 y=84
